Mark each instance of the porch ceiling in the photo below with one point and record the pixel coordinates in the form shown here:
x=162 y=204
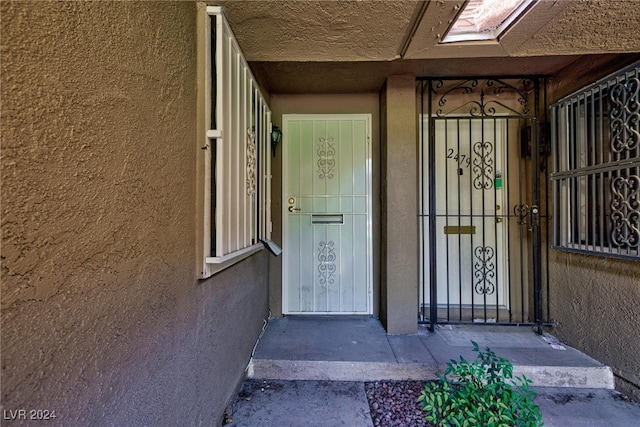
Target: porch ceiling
x=351 y=45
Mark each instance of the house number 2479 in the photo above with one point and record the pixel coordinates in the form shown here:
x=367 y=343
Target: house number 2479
x=461 y=159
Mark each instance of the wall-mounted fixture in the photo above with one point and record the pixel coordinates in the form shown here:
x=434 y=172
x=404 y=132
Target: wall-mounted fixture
x=276 y=136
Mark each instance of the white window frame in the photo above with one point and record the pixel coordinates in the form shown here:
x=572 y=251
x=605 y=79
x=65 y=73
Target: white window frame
x=234 y=156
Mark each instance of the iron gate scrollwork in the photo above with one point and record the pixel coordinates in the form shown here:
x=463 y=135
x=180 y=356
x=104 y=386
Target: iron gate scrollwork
x=484 y=270
x=521 y=212
x=488 y=101
x=483 y=165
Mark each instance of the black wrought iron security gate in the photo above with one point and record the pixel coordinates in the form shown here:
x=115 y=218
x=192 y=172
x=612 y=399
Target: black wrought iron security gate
x=483 y=201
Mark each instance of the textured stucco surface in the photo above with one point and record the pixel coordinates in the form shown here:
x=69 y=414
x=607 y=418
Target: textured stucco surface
x=399 y=220
x=352 y=46
x=373 y=30
x=596 y=304
x=319 y=30
x=588 y=26
x=103 y=319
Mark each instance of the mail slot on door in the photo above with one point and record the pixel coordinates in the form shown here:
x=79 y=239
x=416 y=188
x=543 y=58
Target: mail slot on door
x=327 y=219
x=460 y=229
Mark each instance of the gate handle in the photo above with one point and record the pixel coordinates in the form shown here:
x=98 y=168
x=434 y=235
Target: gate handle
x=292 y=209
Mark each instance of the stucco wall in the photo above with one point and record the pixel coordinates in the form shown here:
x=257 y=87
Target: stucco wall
x=399 y=200
x=595 y=301
x=103 y=319
x=596 y=304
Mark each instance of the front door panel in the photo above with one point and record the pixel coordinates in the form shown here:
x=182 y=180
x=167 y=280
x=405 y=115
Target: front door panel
x=470 y=171
x=327 y=214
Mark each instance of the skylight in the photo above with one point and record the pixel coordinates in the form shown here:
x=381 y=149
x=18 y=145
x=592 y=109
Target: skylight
x=485 y=19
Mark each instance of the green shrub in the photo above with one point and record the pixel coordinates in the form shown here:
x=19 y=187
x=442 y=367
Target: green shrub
x=482 y=393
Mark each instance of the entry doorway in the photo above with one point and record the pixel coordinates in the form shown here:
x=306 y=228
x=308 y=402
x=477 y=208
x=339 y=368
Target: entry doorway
x=482 y=202
x=327 y=214
x=470 y=164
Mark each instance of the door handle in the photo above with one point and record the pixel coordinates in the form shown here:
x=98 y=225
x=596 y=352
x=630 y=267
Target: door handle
x=292 y=209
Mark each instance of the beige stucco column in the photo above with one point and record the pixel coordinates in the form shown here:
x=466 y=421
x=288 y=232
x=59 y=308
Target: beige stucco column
x=399 y=269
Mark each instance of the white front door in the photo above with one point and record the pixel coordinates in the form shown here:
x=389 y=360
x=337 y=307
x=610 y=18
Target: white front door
x=327 y=234
x=471 y=200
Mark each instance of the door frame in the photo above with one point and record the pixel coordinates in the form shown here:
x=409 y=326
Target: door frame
x=286 y=118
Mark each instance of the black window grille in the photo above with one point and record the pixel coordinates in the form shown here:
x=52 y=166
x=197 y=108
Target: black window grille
x=596 y=167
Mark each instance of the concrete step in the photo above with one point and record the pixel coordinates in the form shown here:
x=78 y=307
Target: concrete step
x=339 y=371
x=540 y=375
x=358 y=349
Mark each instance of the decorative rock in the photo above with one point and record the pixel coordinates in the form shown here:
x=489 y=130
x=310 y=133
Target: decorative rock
x=395 y=403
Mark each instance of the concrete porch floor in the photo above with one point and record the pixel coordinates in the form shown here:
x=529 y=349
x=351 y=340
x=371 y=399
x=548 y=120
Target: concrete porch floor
x=358 y=349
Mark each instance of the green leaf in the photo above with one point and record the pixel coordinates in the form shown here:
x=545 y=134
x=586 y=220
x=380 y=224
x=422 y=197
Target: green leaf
x=481 y=393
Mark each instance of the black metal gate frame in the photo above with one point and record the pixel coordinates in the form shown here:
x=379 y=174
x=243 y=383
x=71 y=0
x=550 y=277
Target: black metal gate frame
x=487 y=108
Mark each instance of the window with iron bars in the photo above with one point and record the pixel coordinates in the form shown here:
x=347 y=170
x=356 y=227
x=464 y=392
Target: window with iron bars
x=234 y=150
x=596 y=167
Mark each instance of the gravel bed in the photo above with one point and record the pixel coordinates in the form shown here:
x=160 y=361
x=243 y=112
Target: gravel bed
x=395 y=403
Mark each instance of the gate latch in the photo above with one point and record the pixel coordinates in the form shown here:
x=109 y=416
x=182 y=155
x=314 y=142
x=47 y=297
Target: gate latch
x=535 y=216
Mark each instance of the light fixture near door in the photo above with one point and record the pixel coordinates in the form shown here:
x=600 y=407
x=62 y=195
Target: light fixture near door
x=276 y=137
x=485 y=19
